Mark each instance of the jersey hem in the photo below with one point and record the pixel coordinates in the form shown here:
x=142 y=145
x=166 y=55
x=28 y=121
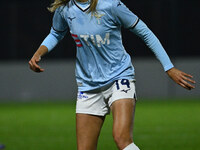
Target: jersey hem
x=85 y=89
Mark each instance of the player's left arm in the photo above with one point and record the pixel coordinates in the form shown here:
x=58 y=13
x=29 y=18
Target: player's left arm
x=154 y=44
x=124 y=17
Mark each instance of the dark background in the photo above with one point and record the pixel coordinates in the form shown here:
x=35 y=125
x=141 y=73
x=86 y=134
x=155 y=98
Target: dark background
x=24 y=25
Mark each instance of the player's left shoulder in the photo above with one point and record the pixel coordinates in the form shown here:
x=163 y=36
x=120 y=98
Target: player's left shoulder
x=116 y=3
x=111 y=4
x=105 y=3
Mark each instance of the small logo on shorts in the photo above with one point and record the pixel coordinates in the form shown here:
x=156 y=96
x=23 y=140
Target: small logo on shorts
x=125 y=90
x=81 y=95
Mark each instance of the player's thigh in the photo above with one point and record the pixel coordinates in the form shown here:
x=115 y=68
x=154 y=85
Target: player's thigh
x=122 y=103
x=123 y=117
x=88 y=129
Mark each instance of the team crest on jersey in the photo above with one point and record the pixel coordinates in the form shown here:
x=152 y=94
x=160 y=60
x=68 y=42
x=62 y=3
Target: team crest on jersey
x=98 y=16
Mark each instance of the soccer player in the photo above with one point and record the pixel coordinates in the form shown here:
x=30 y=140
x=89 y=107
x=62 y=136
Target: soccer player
x=104 y=72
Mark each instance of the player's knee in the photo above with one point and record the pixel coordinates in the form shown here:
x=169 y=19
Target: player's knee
x=122 y=139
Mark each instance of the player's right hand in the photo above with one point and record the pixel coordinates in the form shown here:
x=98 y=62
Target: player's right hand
x=181 y=78
x=33 y=63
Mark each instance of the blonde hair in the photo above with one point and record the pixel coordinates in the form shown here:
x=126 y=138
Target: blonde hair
x=58 y=3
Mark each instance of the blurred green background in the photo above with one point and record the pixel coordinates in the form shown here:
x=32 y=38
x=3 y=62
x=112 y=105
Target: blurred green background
x=167 y=124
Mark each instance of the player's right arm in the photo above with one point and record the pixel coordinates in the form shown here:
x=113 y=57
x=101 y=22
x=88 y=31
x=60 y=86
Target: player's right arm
x=57 y=33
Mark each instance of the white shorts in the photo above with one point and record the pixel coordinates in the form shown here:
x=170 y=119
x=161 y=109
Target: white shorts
x=98 y=101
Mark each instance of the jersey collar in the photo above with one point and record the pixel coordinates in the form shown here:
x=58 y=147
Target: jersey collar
x=83 y=6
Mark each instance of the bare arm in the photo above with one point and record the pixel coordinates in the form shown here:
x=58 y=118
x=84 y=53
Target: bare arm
x=181 y=78
x=33 y=63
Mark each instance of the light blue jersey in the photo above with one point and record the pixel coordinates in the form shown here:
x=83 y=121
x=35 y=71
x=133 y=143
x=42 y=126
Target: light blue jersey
x=101 y=57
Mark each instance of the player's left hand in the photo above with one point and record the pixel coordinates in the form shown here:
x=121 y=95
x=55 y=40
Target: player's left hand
x=181 y=78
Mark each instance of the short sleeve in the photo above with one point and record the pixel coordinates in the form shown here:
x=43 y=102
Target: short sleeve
x=59 y=23
x=123 y=15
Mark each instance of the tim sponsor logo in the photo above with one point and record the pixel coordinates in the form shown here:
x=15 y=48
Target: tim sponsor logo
x=97 y=40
